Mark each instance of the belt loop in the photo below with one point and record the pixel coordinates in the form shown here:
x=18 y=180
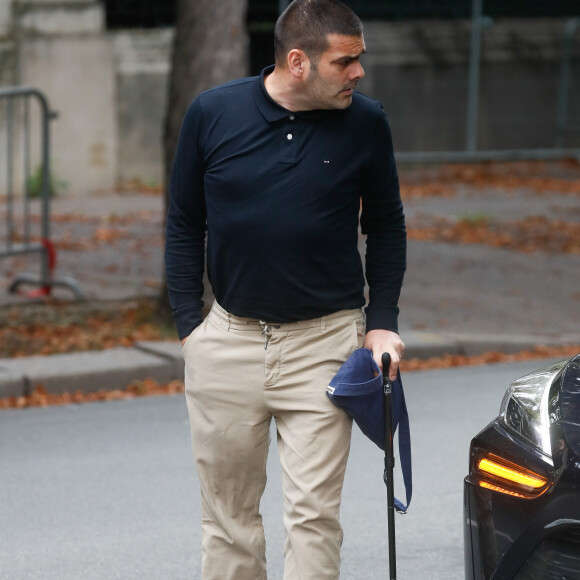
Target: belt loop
x=323 y=324
x=229 y=321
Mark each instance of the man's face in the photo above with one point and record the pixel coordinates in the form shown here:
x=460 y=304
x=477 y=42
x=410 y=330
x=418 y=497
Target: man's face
x=332 y=79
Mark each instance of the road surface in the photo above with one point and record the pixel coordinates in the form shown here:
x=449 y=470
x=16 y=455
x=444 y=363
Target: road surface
x=107 y=491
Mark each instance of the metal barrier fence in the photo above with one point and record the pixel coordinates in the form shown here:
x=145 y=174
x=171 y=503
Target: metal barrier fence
x=466 y=58
x=23 y=184
x=565 y=125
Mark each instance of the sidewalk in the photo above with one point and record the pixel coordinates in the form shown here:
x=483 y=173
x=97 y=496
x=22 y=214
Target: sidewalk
x=457 y=298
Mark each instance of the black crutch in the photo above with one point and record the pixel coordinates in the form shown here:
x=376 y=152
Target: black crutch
x=389 y=464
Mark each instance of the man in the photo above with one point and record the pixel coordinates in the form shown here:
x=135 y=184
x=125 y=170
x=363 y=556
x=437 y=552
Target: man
x=273 y=170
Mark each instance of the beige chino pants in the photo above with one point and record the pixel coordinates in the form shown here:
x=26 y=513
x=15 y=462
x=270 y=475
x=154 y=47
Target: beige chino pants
x=239 y=374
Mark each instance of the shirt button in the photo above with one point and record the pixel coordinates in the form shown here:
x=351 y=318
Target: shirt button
x=291 y=117
x=289 y=136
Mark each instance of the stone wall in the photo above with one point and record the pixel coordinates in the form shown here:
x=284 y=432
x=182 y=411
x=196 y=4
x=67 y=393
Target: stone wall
x=7 y=45
x=109 y=87
x=5 y=18
x=419 y=70
x=141 y=75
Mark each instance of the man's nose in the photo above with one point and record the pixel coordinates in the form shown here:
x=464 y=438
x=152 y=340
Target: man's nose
x=358 y=72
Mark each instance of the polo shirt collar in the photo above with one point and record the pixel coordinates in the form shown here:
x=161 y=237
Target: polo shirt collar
x=270 y=109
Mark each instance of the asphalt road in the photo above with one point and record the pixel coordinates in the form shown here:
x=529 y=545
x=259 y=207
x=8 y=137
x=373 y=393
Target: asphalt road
x=108 y=491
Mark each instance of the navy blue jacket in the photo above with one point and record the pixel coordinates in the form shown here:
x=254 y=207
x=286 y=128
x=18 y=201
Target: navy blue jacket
x=278 y=195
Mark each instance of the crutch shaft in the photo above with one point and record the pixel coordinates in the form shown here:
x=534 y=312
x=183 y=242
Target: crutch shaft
x=389 y=465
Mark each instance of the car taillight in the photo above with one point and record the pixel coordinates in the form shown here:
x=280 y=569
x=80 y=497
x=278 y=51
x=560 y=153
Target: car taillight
x=498 y=474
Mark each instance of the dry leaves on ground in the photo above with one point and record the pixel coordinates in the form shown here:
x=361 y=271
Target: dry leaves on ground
x=490 y=357
x=108 y=230
x=533 y=234
x=41 y=398
x=137 y=185
x=536 y=176
x=109 y=219
x=94 y=332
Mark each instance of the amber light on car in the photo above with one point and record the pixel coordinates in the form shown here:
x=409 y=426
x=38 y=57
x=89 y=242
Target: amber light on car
x=498 y=474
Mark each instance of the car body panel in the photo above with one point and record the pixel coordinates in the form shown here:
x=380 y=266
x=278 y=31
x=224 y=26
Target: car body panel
x=508 y=538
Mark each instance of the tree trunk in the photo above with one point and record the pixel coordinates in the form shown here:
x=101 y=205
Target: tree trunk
x=210 y=47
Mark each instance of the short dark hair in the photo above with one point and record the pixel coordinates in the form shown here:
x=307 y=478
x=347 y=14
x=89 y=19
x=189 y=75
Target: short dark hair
x=305 y=25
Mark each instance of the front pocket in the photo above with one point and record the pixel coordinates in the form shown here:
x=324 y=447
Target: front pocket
x=360 y=325
x=192 y=335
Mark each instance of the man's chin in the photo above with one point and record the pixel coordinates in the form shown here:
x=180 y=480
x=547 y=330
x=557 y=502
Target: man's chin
x=341 y=101
x=344 y=102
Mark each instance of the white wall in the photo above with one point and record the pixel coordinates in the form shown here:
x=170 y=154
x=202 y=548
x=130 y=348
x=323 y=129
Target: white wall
x=65 y=53
x=76 y=76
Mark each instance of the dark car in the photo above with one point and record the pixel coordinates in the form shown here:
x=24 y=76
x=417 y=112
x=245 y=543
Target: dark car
x=522 y=495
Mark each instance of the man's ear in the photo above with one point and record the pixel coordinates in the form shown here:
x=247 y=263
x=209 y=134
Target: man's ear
x=298 y=63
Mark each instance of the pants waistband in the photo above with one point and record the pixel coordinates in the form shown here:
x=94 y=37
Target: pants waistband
x=230 y=321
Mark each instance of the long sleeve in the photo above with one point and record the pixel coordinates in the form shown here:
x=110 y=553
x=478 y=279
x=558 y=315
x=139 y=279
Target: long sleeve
x=383 y=221
x=186 y=225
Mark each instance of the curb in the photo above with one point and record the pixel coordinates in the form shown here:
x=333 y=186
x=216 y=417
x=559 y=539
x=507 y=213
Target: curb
x=162 y=361
x=91 y=371
x=424 y=345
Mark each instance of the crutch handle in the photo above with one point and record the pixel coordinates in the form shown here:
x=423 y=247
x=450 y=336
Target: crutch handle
x=386 y=360
x=387 y=390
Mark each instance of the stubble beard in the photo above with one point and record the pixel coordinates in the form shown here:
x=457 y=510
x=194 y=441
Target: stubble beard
x=322 y=91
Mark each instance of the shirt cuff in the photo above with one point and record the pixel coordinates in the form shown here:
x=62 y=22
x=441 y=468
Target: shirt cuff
x=382 y=319
x=186 y=322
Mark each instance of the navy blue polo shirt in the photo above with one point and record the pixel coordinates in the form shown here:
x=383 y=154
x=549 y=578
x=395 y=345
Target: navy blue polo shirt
x=276 y=195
